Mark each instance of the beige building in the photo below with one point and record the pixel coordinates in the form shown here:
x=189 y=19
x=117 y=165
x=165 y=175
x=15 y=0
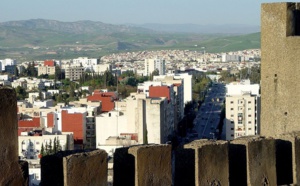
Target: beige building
x=73 y=72
x=46 y=70
x=153 y=64
x=242 y=109
x=241 y=116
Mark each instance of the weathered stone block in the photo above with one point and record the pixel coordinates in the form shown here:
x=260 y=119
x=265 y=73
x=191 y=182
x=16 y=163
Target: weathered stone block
x=211 y=162
x=75 y=168
x=10 y=171
x=87 y=169
x=257 y=155
x=152 y=164
x=280 y=50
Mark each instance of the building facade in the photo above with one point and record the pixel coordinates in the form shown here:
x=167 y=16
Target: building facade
x=73 y=72
x=242 y=110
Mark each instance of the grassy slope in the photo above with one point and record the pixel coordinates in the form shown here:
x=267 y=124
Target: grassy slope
x=16 y=43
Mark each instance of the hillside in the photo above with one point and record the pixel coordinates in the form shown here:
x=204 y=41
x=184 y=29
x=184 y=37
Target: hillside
x=46 y=39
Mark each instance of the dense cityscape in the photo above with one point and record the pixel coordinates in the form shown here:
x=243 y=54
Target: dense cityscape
x=155 y=111
x=89 y=103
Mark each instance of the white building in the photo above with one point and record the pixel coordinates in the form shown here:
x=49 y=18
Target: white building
x=101 y=68
x=242 y=110
x=109 y=127
x=187 y=84
x=86 y=63
x=153 y=64
x=7 y=62
x=30 y=144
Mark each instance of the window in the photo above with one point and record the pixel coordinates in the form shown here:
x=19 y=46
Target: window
x=249 y=122
x=249 y=115
x=231 y=128
x=249 y=129
x=249 y=108
x=232 y=122
x=231 y=102
x=232 y=135
x=249 y=102
x=231 y=108
x=231 y=115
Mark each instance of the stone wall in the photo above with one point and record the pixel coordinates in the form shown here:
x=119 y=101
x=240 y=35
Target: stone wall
x=280 y=51
x=11 y=171
x=75 y=168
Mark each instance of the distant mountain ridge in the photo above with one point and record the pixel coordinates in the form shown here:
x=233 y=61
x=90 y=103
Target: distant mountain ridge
x=50 y=39
x=203 y=29
x=78 y=27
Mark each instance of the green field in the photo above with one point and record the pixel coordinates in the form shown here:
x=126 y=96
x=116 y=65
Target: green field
x=41 y=40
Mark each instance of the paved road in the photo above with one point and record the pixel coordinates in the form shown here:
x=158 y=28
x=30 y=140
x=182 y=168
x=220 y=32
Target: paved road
x=208 y=116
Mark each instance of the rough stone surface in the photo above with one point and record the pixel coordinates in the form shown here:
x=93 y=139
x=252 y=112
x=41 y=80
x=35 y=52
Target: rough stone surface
x=184 y=167
x=260 y=160
x=10 y=171
x=74 y=168
x=87 y=169
x=123 y=167
x=211 y=162
x=152 y=164
x=280 y=51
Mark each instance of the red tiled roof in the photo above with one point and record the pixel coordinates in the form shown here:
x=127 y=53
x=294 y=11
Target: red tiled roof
x=34 y=122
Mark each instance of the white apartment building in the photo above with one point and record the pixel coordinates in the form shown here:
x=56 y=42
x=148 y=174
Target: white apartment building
x=135 y=120
x=86 y=62
x=110 y=126
x=30 y=145
x=242 y=110
x=153 y=64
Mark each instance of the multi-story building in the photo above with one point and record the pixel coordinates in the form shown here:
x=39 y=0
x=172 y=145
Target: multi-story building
x=31 y=142
x=101 y=68
x=153 y=64
x=50 y=70
x=11 y=69
x=7 y=62
x=187 y=83
x=73 y=72
x=242 y=110
x=86 y=63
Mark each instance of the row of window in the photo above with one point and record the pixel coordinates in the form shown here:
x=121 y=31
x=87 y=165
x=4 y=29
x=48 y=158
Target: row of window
x=240 y=108
x=240 y=122
x=248 y=128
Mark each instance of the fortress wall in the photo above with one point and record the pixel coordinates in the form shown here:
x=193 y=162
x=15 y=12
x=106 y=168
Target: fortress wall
x=11 y=171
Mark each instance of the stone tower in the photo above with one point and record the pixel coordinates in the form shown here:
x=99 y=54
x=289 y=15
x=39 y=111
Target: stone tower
x=280 y=68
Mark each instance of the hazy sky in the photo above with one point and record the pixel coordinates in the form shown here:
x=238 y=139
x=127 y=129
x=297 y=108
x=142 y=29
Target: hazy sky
x=136 y=11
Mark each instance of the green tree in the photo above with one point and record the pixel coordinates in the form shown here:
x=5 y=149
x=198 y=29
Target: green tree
x=21 y=93
x=43 y=153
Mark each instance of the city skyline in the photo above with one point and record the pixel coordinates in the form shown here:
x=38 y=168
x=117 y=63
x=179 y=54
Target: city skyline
x=137 y=12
